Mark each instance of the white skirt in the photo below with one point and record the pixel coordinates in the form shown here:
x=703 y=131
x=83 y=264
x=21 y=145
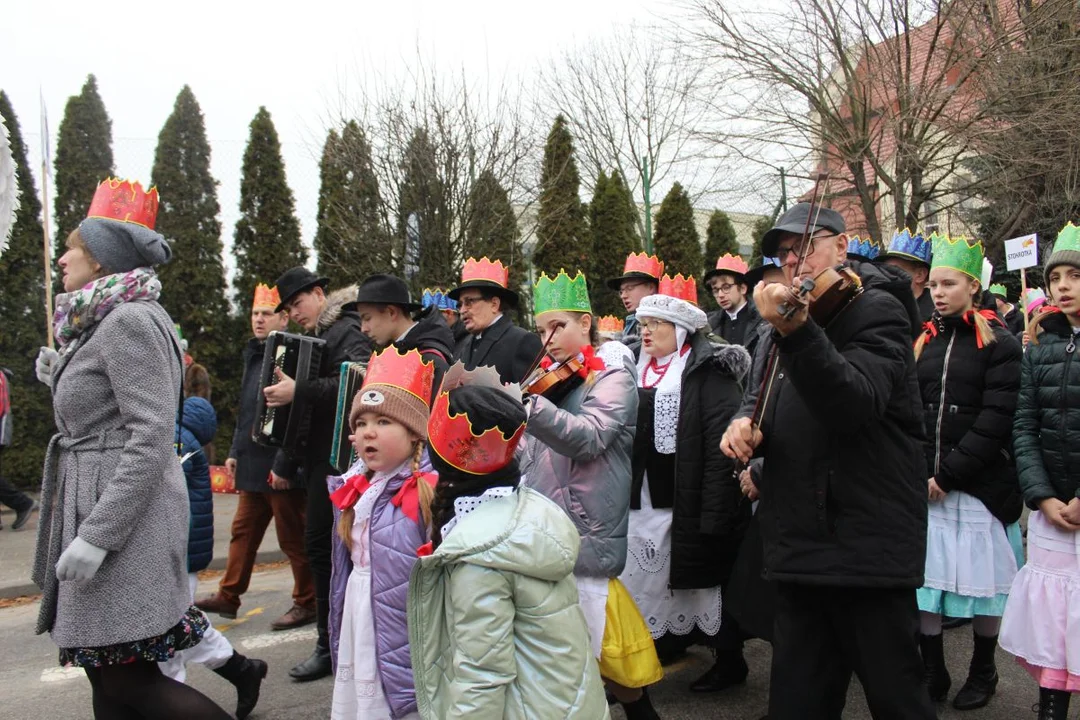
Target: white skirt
x=967 y=550
x=648 y=570
x=358 y=691
x=592 y=597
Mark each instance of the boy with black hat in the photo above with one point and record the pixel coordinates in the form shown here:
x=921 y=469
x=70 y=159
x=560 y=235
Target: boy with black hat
x=737 y=319
x=386 y=316
x=483 y=297
x=640 y=279
x=303 y=294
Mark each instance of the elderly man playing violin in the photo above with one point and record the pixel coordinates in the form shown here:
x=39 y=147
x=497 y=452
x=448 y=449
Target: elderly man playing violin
x=843 y=498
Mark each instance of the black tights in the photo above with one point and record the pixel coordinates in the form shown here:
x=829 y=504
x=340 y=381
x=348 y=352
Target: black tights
x=138 y=690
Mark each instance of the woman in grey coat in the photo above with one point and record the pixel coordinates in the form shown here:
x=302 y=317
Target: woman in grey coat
x=112 y=540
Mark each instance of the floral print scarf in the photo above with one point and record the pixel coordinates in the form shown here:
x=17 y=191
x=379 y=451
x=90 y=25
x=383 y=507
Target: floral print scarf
x=78 y=311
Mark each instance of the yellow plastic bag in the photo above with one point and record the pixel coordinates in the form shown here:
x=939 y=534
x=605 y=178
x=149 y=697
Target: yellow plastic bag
x=628 y=656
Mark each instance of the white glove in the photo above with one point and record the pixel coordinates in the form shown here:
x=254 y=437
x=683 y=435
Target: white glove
x=46 y=360
x=80 y=561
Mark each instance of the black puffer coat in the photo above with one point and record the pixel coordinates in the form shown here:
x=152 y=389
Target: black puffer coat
x=843 y=493
x=435 y=341
x=969 y=396
x=709 y=516
x=1047 y=421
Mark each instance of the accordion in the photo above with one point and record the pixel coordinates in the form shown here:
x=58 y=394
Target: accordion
x=299 y=357
x=342 y=454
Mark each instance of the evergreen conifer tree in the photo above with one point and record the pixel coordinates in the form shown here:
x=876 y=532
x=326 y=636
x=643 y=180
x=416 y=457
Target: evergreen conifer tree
x=84 y=158
x=613 y=222
x=267 y=238
x=351 y=240
x=720 y=239
x=492 y=229
x=23 y=329
x=422 y=209
x=562 y=237
x=761 y=226
x=193 y=283
x=676 y=237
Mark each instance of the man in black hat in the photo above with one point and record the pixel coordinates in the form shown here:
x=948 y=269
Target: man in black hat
x=304 y=296
x=843 y=488
x=493 y=337
x=386 y=316
x=737 y=320
x=640 y=279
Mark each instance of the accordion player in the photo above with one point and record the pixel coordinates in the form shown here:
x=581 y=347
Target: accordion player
x=299 y=357
x=342 y=454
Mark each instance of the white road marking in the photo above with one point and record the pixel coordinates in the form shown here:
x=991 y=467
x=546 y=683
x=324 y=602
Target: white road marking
x=61 y=674
x=271 y=639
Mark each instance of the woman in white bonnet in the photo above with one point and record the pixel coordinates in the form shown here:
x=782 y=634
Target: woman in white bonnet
x=111 y=557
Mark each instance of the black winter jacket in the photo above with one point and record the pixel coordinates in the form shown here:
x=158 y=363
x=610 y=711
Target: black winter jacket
x=435 y=341
x=344 y=343
x=843 y=493
x=253 y=461
x=504 y=346
x=1047 y=421
x=969 y=396
x=709 y=516
x=743 y=330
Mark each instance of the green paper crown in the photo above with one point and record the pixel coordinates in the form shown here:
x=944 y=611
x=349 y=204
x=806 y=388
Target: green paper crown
x=1067 y=239
x=999 y=290
x=959 y=254
x=561 y=294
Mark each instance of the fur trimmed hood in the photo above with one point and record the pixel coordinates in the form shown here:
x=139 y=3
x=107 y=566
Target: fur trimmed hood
x=335 y=302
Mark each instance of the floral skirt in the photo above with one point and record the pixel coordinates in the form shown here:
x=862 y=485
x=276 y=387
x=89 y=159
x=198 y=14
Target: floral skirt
x=183 y=635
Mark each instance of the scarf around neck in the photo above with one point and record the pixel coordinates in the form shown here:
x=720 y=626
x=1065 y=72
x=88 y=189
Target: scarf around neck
x=78 y=311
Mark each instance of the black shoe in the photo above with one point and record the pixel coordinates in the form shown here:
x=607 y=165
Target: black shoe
x=982 y=677
x=951 y=623
x=640 y=709
x=316 y=667
x=247 y=676
x=23 y=515
x=1053 y=704
x=935 y=675
x=722 y=675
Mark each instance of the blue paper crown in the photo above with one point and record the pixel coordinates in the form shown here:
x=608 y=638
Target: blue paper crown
x=770 y=261
x=866 y=249
x=913 y=246
x=439 y=299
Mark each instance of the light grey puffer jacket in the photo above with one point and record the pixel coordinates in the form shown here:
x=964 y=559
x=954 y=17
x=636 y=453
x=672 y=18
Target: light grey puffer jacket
x=112 y=477
x=578 y=455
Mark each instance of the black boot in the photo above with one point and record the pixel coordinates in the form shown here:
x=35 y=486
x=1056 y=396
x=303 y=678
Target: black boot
x=1053 y=704
x=640 y=709
x=318 y=665
x=728 y=670
x=247 y=676
x=935 y=675
x=982 y=677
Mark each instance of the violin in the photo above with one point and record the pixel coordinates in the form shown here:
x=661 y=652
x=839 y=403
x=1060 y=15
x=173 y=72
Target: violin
x=545 y=380
x=827 y=294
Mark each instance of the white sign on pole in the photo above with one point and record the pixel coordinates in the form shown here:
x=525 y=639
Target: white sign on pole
x=1022 y=252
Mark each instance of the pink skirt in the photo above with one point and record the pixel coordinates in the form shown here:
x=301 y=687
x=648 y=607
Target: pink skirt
x=1041 y=625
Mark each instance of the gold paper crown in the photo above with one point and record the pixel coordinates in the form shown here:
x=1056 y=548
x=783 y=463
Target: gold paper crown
x=610 y=324
x=266 y=296
x=484 y=269
x=680 y=287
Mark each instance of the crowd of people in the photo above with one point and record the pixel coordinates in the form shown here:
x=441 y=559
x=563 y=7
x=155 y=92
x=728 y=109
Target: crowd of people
x=534 y=523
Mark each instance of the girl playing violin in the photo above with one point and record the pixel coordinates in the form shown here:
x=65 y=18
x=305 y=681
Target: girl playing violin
x=577 y=453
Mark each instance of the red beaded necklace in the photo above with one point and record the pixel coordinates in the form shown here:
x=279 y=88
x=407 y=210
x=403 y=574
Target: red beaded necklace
x=658 y=370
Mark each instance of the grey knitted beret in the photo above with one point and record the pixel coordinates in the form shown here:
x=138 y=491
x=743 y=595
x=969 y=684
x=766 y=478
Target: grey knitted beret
x=122 y=246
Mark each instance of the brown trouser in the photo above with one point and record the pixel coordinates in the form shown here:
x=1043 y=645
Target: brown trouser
x=253 y=515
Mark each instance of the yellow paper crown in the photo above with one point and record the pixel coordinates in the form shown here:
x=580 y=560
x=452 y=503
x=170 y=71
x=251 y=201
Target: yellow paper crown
x=266 y=296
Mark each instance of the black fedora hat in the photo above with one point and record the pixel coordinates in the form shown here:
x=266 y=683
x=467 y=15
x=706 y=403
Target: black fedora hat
x=382 y=289
x=794 y=221
x=297 y=280
x=508 y=296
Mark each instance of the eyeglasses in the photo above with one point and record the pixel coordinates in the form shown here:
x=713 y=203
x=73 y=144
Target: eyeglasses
x=652 y=324
x=470 y=301
x=630 y=286
x=723 y=287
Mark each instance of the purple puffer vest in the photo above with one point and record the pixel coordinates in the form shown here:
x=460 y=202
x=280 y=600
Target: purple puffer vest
x=394 y=541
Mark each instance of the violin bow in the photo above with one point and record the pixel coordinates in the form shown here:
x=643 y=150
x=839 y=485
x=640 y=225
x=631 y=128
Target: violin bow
x=543 y=351
x=785 y=308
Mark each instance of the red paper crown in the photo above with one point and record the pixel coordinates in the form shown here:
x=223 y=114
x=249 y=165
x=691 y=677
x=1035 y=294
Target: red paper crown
x=405 y=371
x=125 y=201
x=452 y=438
x=679 y=287
x=266 y=297
x=484 y=269
x=641 y=263
x=733 y=264
x=610 y=324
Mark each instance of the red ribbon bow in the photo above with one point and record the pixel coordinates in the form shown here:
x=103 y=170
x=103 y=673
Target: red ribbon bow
x=425 y=549
x=347 y=495
x=990 y=315
x=589 y=361
x=408 y=497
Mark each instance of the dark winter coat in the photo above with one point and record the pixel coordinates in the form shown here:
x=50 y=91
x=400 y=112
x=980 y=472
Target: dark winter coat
x=344 y=343
x=253 y=461
x=968 y=396
x=503 y=345
x=709 y=516
x=460 y=333
x=926 y=305
x=843 y=493
x=435 y=341
x=743 y=330
x=631 y=336
x=198 y=428
x=1014 y=320
x=1047 y=421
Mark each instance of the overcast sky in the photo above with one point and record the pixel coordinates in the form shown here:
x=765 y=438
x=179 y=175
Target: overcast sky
x=296 y=59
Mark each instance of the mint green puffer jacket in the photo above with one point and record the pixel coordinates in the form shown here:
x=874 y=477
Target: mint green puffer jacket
x=495 y=629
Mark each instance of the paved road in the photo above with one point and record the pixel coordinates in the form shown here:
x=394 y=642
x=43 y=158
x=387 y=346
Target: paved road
x=34 y=687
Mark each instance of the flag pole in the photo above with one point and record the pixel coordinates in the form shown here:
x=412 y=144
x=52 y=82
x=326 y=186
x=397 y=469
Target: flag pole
x=1023 y=294
x=46 y=245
